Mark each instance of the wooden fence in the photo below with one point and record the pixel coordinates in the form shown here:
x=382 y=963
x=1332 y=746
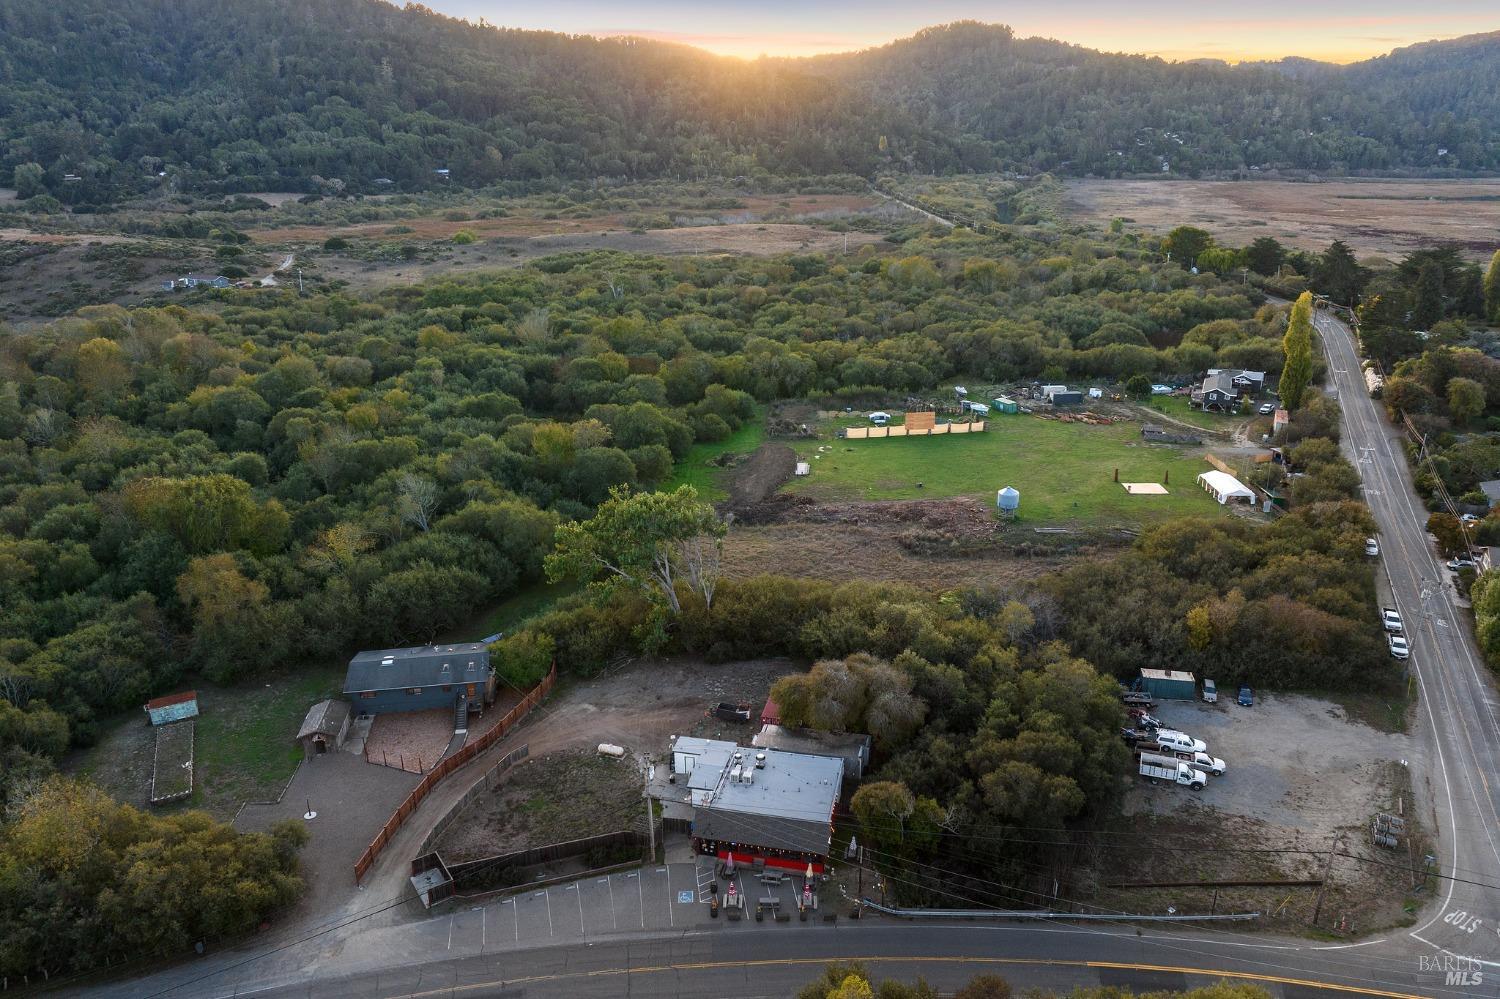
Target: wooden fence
x=446 y=767
x=477 y=875
x=866 y=433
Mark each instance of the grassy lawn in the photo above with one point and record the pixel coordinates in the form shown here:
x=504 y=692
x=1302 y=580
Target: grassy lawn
x=695 y=470
x=247 y=735
x=1064 y=471
x=1178 y=407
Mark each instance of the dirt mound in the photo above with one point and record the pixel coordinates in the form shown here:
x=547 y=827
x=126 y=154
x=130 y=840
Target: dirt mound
x=757 y=478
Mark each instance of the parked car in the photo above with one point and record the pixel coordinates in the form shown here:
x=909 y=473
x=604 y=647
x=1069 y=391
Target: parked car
x=1391 y=617
x=1398 y=646
x=1468 y=518
x=1143 y=719
x=1266 y=408
x=1462 y=562
x=1372 y=547
x=1247 y=697
x=1161 y=390
x=1210 y=692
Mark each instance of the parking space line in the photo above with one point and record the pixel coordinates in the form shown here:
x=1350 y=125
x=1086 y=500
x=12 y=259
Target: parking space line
x=641 y=894
x=483 y=921
x=577 y=890
x=548 y=895
x=451 y=916
x=515 y=910
x=614 y=916
x=670 y=920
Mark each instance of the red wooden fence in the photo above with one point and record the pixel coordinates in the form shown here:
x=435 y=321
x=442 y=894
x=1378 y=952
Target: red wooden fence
x=446 y=767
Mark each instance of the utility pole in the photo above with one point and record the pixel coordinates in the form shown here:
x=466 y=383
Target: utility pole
x=1327 y=866
x=650 y=813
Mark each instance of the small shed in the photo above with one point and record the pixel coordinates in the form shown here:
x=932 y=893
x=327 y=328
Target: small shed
x=1005 y=404
x=1066 y=398
x=173 y=707
x=324 y=728
x=1169 y=685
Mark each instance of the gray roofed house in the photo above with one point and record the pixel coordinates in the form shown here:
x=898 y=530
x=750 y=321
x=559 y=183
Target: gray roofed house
x=1218 y=391
x=414 y=679
x=1491 y=490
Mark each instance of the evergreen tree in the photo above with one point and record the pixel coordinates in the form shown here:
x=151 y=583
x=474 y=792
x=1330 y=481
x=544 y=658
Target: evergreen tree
x=1427 y=302
x=1492 y=289
x=1338 y=275
x=1296 y=373
x=1265 y=255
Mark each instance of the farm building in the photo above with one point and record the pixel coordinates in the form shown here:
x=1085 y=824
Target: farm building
x=430 y=676
x=173 y=707
x=1226 y=488
x=763 y=806
x=324 y=728
x=1169 y=685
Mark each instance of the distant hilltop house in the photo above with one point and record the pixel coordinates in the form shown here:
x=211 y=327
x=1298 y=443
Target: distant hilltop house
x=417 y=679
x=192 y=281
x=1223 y=388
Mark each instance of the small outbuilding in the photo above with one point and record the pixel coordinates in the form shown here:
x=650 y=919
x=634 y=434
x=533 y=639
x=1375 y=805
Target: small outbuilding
x=173 y=707
x=1169 y=685
x=1005 y=404
x=1226 y=488
x=324 y=728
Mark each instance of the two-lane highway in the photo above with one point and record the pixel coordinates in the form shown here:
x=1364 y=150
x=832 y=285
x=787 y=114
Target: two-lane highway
x=1456 y=716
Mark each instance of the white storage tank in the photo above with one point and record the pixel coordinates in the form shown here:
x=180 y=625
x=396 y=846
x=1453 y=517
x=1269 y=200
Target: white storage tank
x=1008 y=500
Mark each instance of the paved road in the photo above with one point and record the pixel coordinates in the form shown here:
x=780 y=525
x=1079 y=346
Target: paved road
x=1456 y=723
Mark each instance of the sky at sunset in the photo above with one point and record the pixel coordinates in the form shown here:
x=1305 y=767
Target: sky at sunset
x=1336 y=30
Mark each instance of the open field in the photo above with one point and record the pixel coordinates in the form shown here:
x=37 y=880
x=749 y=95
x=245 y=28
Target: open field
x=1386 y=218
x=529 y=808
x=1064 y=471
x=1301 y=772
x=1179 y=408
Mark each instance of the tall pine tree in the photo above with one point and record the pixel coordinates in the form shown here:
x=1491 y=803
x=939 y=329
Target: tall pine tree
x=1492 y=289
x=1296 y=373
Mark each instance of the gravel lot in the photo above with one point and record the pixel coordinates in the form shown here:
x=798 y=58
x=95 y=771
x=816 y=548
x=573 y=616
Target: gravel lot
x=1299 y=775
x=410 y=740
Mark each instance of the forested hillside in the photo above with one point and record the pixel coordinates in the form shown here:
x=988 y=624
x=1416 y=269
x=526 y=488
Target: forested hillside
x=351 y=93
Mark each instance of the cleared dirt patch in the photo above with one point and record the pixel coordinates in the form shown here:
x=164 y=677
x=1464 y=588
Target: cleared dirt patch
x=1302 y=779
x=1381 y=217
x=552 y=799
x=761 y=475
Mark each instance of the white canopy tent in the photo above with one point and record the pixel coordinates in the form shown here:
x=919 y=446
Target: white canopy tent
x=1225 y=487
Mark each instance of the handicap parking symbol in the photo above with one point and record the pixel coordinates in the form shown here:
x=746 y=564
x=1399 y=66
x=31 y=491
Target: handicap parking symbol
x=685 y=897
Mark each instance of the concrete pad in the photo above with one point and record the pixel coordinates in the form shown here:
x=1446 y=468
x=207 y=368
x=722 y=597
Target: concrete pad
x=1145 y=488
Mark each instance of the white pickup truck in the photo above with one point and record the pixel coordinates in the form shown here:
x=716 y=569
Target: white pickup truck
x=1392 y=619
x=1179 y=742
x=1398 y=646
x=1181 y=773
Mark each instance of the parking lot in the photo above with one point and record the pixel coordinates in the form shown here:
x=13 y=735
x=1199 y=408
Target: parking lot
x=659 y=897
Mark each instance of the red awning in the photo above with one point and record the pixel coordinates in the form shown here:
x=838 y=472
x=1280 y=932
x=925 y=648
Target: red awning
x=171 y=699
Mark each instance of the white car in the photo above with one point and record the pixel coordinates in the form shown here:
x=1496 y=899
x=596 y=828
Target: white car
x=1372 y=547
x=1461 y=562
x=1266 y=408
x=1398 y=646
x=1161 y=390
